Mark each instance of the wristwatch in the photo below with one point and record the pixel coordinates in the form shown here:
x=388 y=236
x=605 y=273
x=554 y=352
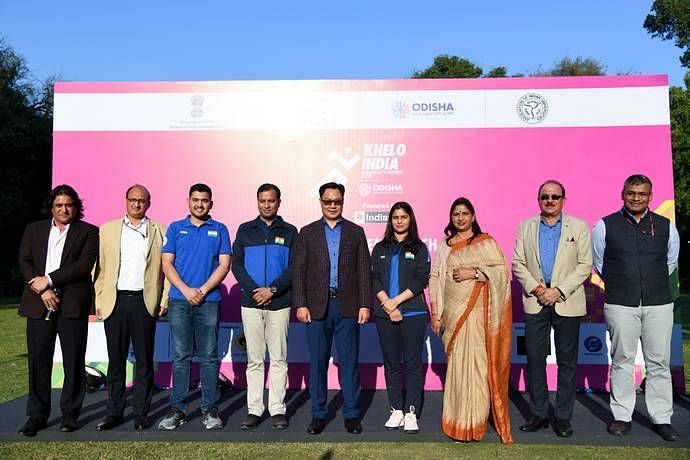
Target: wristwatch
x=273 y=289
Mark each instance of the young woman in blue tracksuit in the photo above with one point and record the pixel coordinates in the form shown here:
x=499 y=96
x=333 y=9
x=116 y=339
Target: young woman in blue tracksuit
x=400 y=266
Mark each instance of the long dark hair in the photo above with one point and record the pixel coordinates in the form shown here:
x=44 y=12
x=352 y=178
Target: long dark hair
x=412 y=243
x=450 y=229
x=64 y=189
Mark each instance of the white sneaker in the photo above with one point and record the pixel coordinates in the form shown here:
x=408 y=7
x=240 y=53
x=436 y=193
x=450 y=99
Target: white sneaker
x=410 y=424
x=396 y=420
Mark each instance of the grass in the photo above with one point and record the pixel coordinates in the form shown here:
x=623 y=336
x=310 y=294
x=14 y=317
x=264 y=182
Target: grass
x=257 y=450
x=13 y=384
x=14 y=376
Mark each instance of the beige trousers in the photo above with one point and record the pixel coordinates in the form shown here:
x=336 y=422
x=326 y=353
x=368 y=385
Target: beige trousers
x=266 y=330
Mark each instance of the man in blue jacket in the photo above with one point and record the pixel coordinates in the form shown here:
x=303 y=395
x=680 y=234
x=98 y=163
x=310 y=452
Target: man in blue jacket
x=263 y=269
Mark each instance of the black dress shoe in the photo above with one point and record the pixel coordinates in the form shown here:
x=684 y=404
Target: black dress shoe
x=534 y=423
x=618 y=428
x=68 y=424
x=109 y=423
x=279 y=421
x=353 y=426
x=563 y=428
x=252 y=421
x=667 y=432
x=32 y=426
x=141 y=423
x=316 y=426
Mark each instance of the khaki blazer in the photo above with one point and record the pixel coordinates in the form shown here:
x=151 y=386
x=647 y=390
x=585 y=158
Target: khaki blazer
x=156 y=287
x=573 y=265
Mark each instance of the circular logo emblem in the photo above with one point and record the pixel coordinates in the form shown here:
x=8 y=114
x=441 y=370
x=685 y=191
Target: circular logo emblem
x=593 y=344
x=364 y=189
x=532 y=108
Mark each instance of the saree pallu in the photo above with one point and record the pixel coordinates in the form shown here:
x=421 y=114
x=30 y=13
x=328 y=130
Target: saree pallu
x=477 y=322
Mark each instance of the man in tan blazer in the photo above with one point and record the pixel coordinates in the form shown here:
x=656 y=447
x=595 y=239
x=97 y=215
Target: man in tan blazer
x=129 y=296
x=552 y=260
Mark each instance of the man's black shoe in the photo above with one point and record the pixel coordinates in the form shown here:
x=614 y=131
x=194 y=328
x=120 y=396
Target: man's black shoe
x=534 y=423
x=141 y=423
x=252 y=421
x=109 y=423
x=279 y=421
x=316 y=426
x=563 y=428
x=68 y=424
x=667 y=432
x=32 y=426
x=353 y=426
x=619 y=428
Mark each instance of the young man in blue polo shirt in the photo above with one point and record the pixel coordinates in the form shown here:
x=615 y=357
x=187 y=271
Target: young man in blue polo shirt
x=196 y=258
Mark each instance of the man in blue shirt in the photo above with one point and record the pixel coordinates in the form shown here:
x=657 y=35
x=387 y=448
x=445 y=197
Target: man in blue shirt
x=196 y=258
x=552 y=259
x=262 y=266
x=635 y=251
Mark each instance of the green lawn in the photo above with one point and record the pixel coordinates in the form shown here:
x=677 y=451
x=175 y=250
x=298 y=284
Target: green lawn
x=13 y=382
x=14 y=376
x=127 y=450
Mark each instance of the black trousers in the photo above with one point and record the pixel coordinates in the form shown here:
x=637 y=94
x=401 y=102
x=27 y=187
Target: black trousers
x=40 y=342
x=403 y=342
x=538 y=344
x=130 y=321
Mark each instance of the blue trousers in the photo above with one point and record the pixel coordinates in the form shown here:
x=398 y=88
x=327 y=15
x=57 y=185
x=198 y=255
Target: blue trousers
x=191 y=325
x=320 y=335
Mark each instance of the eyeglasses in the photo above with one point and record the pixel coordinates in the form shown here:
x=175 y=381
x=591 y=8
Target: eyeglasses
x=550 y=197
x=137 y=200
x=332 y=202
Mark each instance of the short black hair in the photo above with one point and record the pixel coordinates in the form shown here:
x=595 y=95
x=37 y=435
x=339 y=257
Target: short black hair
x=203 y=188
x=637 y=179
x=67 y=190
x=332 y=185
x=551 y=181
x=148 y=194
x=267 y=188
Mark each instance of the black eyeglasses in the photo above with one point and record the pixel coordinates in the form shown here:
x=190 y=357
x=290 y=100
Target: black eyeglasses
x=332 y=202
x=550 y=197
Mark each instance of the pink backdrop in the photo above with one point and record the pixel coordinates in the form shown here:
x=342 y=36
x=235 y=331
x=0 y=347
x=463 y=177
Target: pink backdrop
x=107 y=138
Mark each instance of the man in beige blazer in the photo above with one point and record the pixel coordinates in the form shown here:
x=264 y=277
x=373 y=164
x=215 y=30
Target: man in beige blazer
x=129 y=297
x=552 y=260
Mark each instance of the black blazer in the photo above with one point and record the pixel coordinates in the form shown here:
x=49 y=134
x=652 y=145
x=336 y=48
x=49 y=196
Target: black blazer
x=73 y=278
x=413 y=274
x=311 y=270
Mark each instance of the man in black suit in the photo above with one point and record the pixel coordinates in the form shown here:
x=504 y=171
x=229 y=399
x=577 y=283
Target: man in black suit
x=56 y=257
x=331 y=288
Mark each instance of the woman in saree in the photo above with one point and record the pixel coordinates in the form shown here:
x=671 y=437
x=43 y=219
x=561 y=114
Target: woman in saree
x=472 y=312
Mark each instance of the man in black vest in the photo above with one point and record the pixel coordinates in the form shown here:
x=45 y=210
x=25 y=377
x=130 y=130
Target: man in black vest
x=635 y=250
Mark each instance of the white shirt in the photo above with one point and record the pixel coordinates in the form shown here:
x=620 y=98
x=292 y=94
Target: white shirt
x=56 y=243
x=133 y=245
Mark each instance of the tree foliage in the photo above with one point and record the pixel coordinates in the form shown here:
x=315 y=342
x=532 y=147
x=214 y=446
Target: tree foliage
x=578 y=67
x=26 y=119
x=670 y=20
x=445 y=66
x=679 y=100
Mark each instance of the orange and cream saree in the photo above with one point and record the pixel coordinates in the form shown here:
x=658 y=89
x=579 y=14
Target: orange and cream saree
x=477 y=323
